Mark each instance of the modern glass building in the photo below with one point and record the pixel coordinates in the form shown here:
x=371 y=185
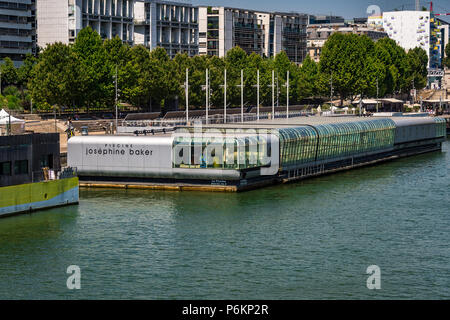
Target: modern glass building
x=332 y=141
x=222 y=151
x=17 y=29
x=250 y=155
x=297 y=145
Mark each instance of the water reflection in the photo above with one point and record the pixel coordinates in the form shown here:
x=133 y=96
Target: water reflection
x=311 y=239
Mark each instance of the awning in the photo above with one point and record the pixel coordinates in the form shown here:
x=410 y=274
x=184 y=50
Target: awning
x=391 y=100
x=3 y=113
x=5 y=118
x=365 y=101
x=437 y=101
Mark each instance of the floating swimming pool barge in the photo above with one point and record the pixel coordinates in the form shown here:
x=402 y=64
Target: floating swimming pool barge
x=229 y=159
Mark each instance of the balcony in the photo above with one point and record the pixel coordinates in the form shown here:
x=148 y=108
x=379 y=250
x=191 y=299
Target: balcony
x=140 y=22
x=211 y=11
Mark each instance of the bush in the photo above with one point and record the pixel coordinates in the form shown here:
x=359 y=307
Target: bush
x=11 y=91
x=14 y=102
x=43 y=106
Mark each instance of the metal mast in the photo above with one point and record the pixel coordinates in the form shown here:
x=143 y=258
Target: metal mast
x=207 y=94
x=257 y=97
x=287 y=98
x=187 y=95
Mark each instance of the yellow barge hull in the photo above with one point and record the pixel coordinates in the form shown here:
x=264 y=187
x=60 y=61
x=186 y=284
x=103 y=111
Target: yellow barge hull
x=39 y=195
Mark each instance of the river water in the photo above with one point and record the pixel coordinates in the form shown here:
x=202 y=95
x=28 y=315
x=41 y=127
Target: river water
x=308 y=240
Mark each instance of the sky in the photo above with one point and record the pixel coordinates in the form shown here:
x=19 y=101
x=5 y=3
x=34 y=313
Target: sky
x=347 y=8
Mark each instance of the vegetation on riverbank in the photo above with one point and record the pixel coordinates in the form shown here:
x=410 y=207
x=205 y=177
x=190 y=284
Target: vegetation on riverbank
x=81 y=76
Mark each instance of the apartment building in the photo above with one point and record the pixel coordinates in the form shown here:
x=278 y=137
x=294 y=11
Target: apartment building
x=170 y=25
x=285 y=32
x=325 y=19
x=222 y=28
x=412 y=29
x=444 y=28
x=319 y=34
x=263 y=33
x=61 y=20
x=17 y=29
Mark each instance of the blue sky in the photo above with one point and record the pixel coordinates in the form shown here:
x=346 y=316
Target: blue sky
x=347 y=8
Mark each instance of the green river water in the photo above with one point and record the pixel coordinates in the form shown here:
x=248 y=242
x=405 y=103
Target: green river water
x=308 y=240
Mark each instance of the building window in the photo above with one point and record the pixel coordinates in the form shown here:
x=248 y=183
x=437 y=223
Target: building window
x=46 y=161
x=21 y=167
x=5 y=168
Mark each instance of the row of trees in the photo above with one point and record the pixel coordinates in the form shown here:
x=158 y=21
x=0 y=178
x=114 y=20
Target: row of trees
x=83 y=75
x=13 y=83
x=447 y=54
x=356 y=65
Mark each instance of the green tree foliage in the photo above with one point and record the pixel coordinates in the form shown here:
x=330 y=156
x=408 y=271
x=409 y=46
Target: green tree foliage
x=58 y=78
x=24 y=71
x=308 y=79
x=162 y=77
x=447 y=56
x=9 y=73
x=349 y=61
x=91 y=53
x=83 y=75
x=417 y=68
x=15 y=95
x=357 y=66
x=11 y=98
x=397 y=63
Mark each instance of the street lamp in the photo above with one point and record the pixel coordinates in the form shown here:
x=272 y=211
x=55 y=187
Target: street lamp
x=116 y=98
x=242 y=94
x=257 y=94
x=287 y=98
x=273 y=93
x=207 y=89
x=186 y=90
x=224 y=96
x=331 y=93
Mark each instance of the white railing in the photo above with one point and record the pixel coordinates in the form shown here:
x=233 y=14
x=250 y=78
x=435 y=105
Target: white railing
x=132 y=125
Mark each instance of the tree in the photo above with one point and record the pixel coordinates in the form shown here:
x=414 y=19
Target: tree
x=116 y=58
x=417 y=68
x=134 y=90
x=150 y=77
x=9 y=72
x=83 y=74
x=58 y=78
x=11 y=98
x=447 y=54
x=161 y=77
x=397 y=65
x=342 y=61
x=235 y=60
x=197 y=78
x=282 y=65
x=308 y=79
x=116 y=51
x=254 y=63
x=24 y=71
x=89 y=49
x=182 y=62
